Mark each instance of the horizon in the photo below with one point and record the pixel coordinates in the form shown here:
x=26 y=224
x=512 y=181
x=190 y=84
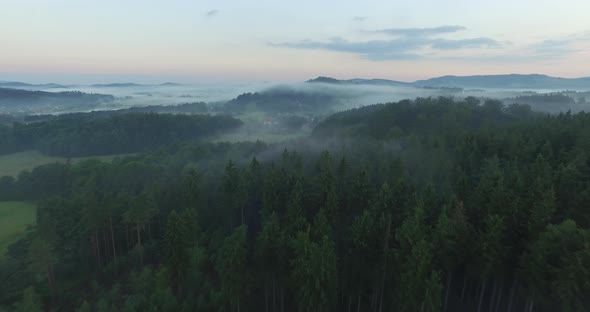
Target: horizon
x=142 y=81
x=213 y=41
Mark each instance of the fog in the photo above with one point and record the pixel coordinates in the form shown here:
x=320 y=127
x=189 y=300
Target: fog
x=342 y=96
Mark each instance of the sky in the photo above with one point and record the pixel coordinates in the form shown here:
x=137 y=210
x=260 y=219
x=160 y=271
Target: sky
x=83 y=41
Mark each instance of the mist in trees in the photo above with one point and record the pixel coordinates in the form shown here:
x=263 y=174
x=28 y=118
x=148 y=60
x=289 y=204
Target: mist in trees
x=427 y=205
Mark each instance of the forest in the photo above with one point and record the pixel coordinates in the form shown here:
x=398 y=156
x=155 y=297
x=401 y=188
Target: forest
x=433 y=204
x=105 y=133
x=29 y=101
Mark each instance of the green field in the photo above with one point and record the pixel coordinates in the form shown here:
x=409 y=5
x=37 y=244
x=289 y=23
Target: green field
x=12 y=164
x=14 y=218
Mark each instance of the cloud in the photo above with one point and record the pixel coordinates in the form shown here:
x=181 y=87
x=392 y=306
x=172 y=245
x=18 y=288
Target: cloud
x=482 y=42
x=359 y=18
x=553 y=46
x=403 y=48
x=420 y=32
x=560 y=47
x=211 y=13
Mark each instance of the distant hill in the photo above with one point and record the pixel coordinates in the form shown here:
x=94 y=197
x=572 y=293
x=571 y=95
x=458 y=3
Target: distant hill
x=358 y=81
x=22 y=85
x=281 y=100
x=512 y=81
x=117 y=85
x=28 y=101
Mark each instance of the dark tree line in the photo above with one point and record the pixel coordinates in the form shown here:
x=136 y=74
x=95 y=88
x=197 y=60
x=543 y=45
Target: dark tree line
x=281 y=100
x=447 y=214
x=89 y=134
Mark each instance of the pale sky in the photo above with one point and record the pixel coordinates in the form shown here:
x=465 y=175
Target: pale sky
x=71 y=41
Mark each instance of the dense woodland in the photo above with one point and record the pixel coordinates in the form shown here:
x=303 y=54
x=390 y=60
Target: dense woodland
x=425 y=205
x=552 y=102
x=106 y=133
x=282 y=100
x=27 y=101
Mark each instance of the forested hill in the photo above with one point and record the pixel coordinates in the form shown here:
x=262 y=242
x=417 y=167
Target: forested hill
x=501 y=223
x=91 y=134
x=512 y=81
x=27 y=101
x=359 y=81
x=430 y=116
x=506 y=81
x=282 y=100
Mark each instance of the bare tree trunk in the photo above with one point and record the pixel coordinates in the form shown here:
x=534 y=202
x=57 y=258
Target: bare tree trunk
x=384 y=271
x=282 y=299
x=382 y=290
x=139 y=244
x=127 y=236
x=449 y=284
x=274 y=294
x=499 y=301
x=358 y=304
x=266 y=294
x=97 y=246
x=49 y=278
x=375 y=297
x=512 y=290
x=493 y=298
x=483 y=291
x=463 y=289
x=107 y=252
x=113 y=237
x=149 y=226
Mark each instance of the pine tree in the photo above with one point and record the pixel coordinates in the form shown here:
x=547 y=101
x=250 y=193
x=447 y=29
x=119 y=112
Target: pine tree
x=419 y=286
x=234 y=192
x=84 y=307
x=314 y=273
x=271 y=255
x=295 y=220
x=177 y=241
x=30 y=301
x=231 y=265
x=142 y=209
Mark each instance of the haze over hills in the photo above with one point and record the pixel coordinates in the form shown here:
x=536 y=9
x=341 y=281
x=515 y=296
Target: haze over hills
x=23 y=85
x=31 y=101
x=322 y=94
x=511 y=81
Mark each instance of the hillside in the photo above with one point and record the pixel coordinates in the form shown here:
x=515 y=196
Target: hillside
x=27 y=101
x=512 y=81
x=359 y=81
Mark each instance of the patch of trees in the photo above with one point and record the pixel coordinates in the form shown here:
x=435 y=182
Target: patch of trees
x=441 y=117
x=17 y=100
x=185 y=108
x=281 y=100
x=87 y=134
x=502 y=225
x=549 y=102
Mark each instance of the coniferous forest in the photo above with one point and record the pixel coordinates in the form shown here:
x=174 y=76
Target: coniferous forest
x=433 y=204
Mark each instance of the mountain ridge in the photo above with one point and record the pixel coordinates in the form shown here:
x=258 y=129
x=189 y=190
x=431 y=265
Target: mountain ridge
x=517 y=81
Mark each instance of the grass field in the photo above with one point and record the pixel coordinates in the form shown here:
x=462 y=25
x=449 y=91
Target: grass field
x=14 y=218
x=12 y=164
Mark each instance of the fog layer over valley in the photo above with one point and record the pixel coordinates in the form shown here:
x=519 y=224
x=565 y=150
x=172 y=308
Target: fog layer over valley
x=320 y=95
